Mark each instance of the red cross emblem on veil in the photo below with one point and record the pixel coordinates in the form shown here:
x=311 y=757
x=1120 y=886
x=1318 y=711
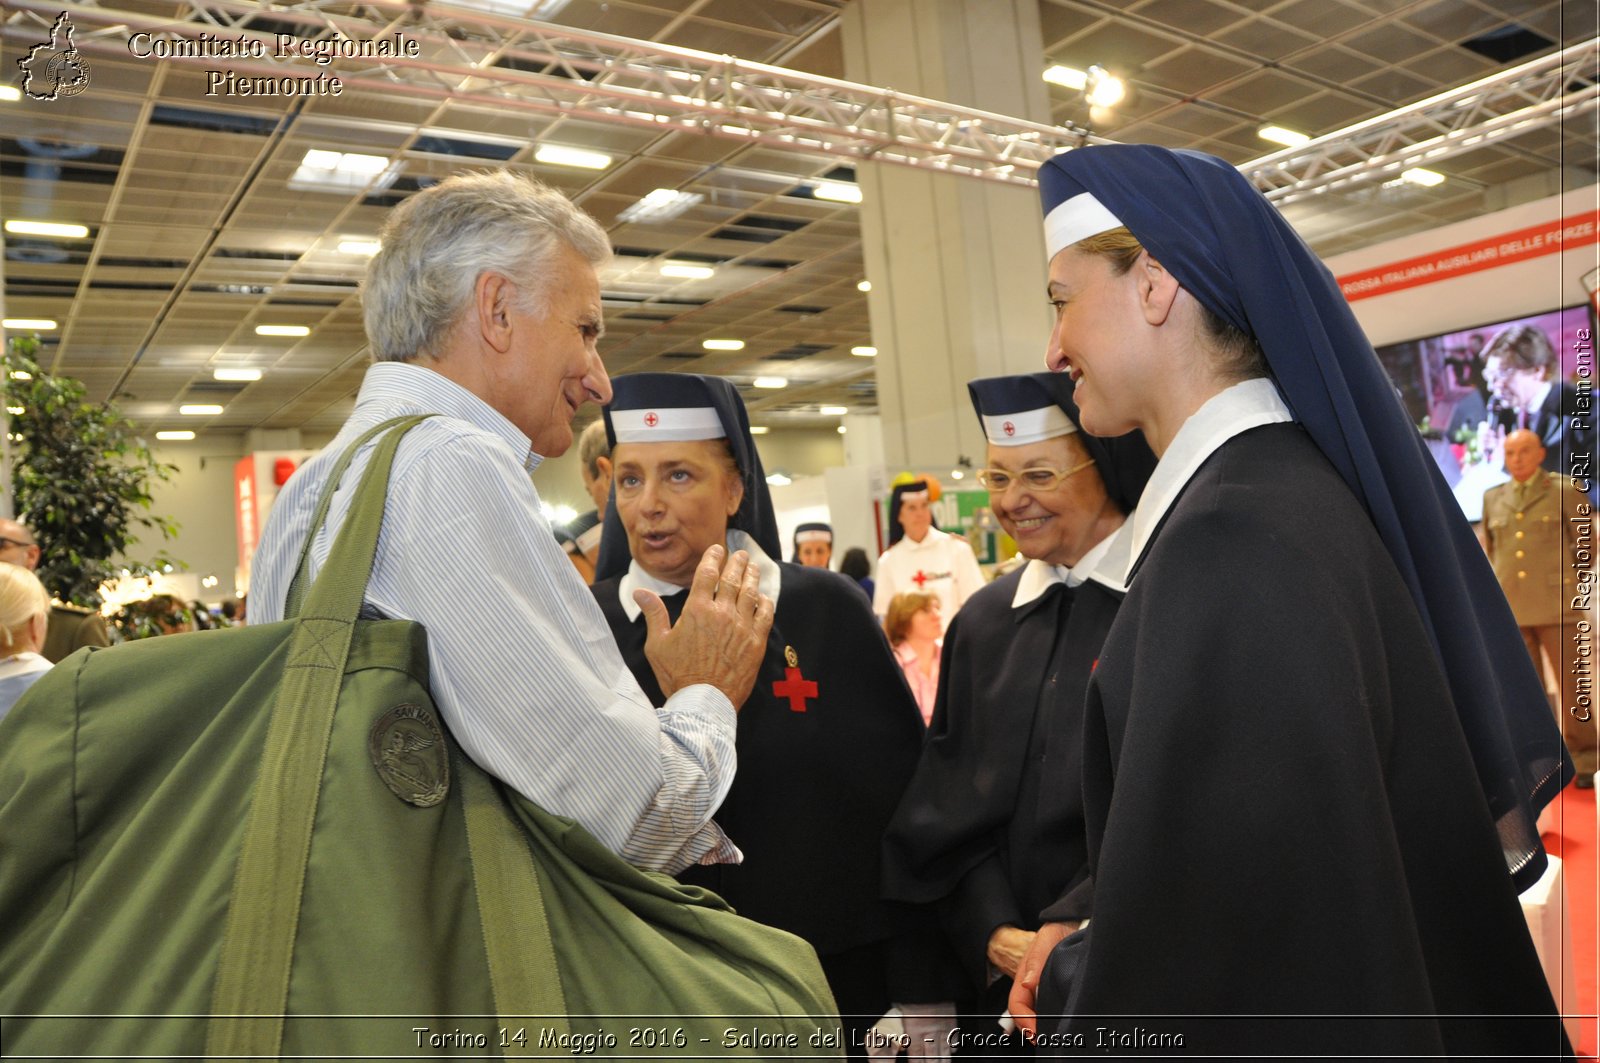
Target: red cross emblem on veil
x=651 y=420
x=1008 y=428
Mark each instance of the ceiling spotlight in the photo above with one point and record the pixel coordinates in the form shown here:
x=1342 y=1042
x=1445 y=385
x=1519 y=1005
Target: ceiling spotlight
x=199 y=410
x=174 y=436
x=282 y=330
x=687 y=271
x=771 y=383
x=32 y=324
x=835 y=411
x=837 y=191
x=244 y=375
x=663 y=204
x=556 y=155
x=1067 y=77
x=723 y=345
x=864 y=352
x=47 y=228
x=1279 y=135
x=1104 y=89
x=864 y=286
x=843 y=429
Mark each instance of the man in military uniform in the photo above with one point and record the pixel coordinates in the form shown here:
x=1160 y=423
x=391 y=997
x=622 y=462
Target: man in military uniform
x=71 y=626
x=1537 y=526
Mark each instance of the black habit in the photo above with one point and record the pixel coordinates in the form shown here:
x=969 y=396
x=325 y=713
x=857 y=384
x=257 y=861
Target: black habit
x=1284 y=820
x=827 y=742
x=992 y=824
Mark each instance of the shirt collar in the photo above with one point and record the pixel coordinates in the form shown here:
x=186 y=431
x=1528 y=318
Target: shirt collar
x=637 y=578
x=934 y=536
x=413 y=385
x=1040 y=576
x=1228 y=413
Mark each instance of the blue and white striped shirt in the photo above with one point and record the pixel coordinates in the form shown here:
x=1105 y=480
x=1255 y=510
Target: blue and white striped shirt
x=523 y=665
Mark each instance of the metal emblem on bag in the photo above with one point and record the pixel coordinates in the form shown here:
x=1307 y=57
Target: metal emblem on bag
x=409 y=754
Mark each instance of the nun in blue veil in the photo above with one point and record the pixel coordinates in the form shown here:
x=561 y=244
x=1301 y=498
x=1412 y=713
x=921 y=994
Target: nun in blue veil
x=1315 y=747
x=829 y=736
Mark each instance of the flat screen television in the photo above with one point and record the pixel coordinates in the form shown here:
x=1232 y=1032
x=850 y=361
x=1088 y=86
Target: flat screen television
x=1440 y=379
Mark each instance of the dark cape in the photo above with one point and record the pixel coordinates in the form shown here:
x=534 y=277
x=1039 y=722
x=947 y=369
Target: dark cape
x=1284 y=819
x=815 y=788
x=992 y=824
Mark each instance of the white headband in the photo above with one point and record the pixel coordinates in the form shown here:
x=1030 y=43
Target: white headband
x=668 y=425
x=813 y=537
x=1076 y=219
x=1027 y=426
x=914 y=496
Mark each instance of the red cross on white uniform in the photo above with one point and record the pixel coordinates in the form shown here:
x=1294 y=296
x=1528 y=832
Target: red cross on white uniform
x=919 y=579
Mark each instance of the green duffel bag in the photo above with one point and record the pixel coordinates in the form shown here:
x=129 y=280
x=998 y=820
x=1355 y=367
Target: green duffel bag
x=261 y=842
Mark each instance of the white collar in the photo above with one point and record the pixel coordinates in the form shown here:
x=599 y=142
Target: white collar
x=1040 y=576
x=637 y=578
x=1226 y=414
x=933 y=537
x=23 y=663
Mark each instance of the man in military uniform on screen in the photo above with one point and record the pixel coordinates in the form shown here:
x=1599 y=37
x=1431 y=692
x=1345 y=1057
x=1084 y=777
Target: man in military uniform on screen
x=71 y=626
x=1536 y=549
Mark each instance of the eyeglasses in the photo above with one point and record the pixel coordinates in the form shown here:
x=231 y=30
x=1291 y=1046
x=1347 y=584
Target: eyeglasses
x=6 y=544
x=999 y=481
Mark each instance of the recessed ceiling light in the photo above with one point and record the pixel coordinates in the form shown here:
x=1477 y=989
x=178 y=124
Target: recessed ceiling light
x=282 y=330
x=835 y=411
x=556 y=155
x=236 y=374
x=1425 y=178
x=759 y=429
x=864 y=286
x=843 y=429
x=359 y=247
x=687 y=271
x=1066 y=76
x=199 y=410
x=47 y=228
x=36 y=324
x=771 y=383
x=1279 y=135
x=663 y=204
x=723 y=345
x=342 y=171
x=174 y=435
x=957 y=474
x=864 y=352
x=837 y=191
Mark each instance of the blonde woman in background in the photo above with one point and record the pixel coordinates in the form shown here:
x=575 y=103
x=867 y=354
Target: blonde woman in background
x=914 y=627
x=24 y=619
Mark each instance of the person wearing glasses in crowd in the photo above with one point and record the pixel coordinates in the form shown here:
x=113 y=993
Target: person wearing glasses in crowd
x=992 y=827
x=1314 y=745
x=921 y=557
x=71 y=626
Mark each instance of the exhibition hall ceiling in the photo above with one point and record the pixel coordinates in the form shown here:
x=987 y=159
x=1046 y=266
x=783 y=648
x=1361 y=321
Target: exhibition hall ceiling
x=206 y=217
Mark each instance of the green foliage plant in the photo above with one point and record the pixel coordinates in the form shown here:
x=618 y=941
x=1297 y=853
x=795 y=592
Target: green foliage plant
x=81 y=477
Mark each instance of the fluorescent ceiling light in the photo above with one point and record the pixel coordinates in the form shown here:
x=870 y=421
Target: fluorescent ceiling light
x=236 y=374
x=663 y=204
x=47 y=228
x=359 y=247
x=864 y=286
x=10 y=93
x=1419 y=176
x=199 y=409
x=687 y=271
x=837 y=191
x=37 y=324
x=864 y=352
x=835 y=411
x=778 y=479
x=771 y=383
x=1279 y=135
x=282 y=330
x=1067 y=77
x=175 y=435
x=759 y=429
x=342 y=171
x=723 y=345
x=556 y=155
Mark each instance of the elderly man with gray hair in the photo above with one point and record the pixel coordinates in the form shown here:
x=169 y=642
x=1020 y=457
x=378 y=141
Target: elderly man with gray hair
x=483 y=309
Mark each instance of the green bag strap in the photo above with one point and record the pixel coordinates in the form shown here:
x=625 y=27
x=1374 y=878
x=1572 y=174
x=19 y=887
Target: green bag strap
x=516 y=933
x=252 y=987
x=302 y=577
